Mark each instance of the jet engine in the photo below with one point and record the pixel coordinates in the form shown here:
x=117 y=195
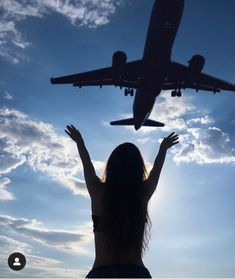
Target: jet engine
x=196 y=64
x=118 y=64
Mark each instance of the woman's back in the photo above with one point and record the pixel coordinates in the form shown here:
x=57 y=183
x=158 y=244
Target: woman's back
x=124 y=209
x=102 y=255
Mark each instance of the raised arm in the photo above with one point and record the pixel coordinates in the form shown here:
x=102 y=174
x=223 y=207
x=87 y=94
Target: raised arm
x=152 y=180
x=91 y=178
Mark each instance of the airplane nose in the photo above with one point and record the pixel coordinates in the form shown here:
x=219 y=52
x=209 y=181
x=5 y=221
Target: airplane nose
x=137 y=126
x=137 y=123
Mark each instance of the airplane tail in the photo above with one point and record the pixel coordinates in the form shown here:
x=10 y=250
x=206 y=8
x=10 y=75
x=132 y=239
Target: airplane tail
x=130 y=122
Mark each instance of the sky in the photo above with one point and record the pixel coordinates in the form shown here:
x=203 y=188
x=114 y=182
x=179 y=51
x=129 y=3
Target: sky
x=45 y=210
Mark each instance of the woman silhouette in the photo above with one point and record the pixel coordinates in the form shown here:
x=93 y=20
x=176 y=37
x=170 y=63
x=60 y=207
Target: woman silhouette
x=119 y=203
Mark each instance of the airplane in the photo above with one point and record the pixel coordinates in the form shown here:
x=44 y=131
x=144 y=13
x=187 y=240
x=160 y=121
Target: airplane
x=147 y=77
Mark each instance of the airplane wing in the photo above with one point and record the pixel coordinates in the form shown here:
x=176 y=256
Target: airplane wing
x=179 y=76
x=129 y=77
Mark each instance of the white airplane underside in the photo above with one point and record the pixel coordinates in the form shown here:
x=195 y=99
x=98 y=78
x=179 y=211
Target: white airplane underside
x=145 y=78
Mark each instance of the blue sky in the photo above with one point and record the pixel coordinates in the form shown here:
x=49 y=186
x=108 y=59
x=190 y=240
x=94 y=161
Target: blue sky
x=44 y=206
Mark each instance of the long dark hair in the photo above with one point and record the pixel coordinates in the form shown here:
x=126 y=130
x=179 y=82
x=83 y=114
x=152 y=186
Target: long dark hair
x=126 y=219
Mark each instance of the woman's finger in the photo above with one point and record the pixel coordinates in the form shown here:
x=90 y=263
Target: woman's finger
x=71 y=130
x=67 y=132
x=174 y=138
x=73 y=127
x=170 y=135
x=68 y=127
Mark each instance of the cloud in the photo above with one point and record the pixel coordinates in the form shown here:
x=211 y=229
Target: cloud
x=7 y=96
x=201 y=120
x=144 y=140
x=90 y=13
x=28 y=141
x=8 y=160
x=200 y=142
x=11 y=41
x=42 y=266
x=178 y=113
x=205 y=146
x=69 y=241
x=5 y=195
x=14 y=245
x=75 y=185
x=173 y=112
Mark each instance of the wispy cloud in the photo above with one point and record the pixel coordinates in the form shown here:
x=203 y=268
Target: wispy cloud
x=42 y=266
x=24 y=140
x=69 y=241
x=7 y=95
x=12 y=42
x=90 y=13
x=5 y=195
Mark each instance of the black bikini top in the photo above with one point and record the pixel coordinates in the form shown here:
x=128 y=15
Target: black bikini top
x=97 y=223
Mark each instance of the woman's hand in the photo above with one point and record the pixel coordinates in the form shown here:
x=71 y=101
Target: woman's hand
x=169 y=141
x=74 y=133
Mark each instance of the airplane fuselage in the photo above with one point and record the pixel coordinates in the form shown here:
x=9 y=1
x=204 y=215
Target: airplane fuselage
x=163 y=26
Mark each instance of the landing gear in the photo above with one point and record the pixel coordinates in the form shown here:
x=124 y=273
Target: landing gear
x=176 y=93
x=129 y=91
